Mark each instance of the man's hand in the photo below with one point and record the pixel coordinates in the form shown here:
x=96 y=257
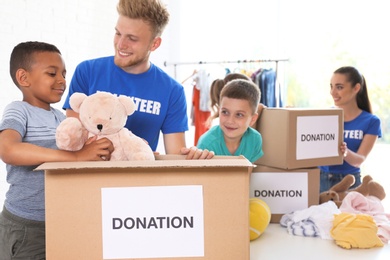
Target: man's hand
x=195 y=153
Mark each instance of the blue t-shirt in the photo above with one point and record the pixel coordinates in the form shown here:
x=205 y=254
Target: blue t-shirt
x=250 y=146
x=160 y=100
x=26 y=195
x=354 y=131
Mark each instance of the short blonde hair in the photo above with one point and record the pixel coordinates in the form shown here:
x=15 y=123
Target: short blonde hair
x=152 y=12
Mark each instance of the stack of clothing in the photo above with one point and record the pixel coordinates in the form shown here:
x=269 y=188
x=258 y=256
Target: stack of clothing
x=360 y=222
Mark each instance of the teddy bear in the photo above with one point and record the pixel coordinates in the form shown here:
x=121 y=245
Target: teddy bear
x=337 y=193
x=102 y=114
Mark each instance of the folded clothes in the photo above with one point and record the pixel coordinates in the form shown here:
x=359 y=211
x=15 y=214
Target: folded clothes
x=311 y=222
x=355 y=231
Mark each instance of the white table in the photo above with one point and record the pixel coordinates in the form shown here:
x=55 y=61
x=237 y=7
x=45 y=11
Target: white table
x=275 y=243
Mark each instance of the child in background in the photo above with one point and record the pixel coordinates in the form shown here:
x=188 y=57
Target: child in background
x=238 y=106
x=27 y=139
x=215 y=91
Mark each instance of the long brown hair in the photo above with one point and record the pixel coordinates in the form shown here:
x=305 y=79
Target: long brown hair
x=354 y=77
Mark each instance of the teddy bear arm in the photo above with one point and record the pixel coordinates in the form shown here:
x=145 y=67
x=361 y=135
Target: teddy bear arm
x=363 y=187
x=344 y=184
x=71 y=134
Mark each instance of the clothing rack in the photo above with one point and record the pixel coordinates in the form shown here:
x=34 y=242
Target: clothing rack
x=276 y=61
x=175 y=64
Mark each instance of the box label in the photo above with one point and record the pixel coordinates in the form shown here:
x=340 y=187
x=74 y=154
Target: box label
x=153 y=222
x=284 y=192
x=317 y=137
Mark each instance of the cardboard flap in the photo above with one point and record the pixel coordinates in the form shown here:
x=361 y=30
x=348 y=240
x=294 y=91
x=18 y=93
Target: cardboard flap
x=162 y=161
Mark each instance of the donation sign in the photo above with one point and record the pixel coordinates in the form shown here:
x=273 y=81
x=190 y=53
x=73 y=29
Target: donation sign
x=317 y=137
x=153 y=222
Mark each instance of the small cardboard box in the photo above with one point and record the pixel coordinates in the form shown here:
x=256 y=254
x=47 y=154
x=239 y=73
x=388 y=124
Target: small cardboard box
x=285 y=191
x=168 y=208
x=296 y=138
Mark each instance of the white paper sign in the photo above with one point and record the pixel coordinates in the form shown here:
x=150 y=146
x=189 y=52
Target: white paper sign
x=153 y=222
x=317 y=137
x=283 y=192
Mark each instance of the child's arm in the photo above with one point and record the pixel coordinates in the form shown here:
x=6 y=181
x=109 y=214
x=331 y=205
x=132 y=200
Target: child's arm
x=14 y=151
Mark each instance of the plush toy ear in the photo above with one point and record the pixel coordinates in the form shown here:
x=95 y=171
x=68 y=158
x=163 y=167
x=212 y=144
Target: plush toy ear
x=328 y=195
x=76 y=100
x=128 y=103
x=334 y=196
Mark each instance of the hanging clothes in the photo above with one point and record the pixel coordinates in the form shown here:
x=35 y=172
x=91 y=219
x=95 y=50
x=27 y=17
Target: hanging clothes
x=199 y=117
x=201 y=102
x=203 y=82
x=266 y=80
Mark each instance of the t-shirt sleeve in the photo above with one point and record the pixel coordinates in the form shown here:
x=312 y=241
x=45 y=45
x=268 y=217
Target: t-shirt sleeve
x=205 y=143
x=176 y=119
x=79 y=83
x=14 y=118
x=257 y=149
x=375 y=126
x=202 y=143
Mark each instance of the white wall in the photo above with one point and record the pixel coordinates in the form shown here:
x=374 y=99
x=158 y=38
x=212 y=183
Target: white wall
x=81 y=29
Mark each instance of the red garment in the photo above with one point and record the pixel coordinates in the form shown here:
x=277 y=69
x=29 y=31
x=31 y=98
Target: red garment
x=199 y=117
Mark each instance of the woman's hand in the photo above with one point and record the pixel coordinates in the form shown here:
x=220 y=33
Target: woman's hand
x=344 y=149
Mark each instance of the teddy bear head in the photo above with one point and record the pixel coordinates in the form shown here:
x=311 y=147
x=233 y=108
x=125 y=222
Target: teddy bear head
x=102 y=113
x=329 y=195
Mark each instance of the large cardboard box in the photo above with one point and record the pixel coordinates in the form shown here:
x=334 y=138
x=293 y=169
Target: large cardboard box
x=171 y=208
x=296 y=138
x=285 y=191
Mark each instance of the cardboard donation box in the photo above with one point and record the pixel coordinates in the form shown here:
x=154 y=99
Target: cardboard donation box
x=285 y=191
x=301 y=138
x=170 y=208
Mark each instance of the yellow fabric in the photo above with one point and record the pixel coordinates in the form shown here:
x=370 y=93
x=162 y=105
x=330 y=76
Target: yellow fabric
x=355 y=231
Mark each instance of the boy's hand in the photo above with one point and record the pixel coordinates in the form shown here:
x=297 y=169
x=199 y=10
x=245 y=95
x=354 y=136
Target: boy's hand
x=96 y=150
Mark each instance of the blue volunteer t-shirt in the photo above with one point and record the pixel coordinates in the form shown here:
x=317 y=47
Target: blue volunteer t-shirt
x=160 y=100
x=354 y=131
